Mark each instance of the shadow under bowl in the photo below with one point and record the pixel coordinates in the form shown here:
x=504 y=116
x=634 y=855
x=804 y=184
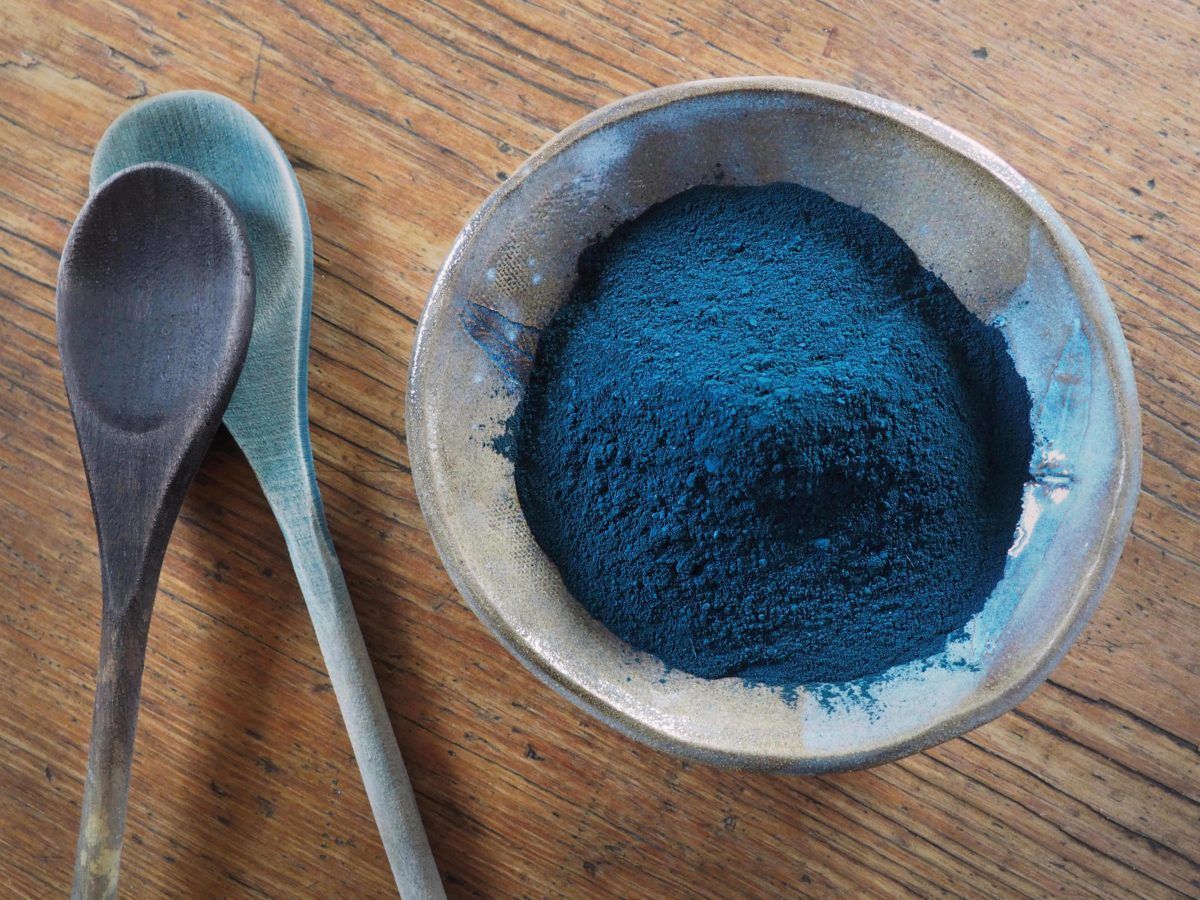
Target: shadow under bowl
x=969 y=217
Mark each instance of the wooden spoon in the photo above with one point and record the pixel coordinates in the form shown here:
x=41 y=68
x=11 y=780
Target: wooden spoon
x=268 y=416
x=155 y=305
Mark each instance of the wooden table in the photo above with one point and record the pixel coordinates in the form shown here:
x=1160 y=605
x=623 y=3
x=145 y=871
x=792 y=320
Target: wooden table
x=399 y=122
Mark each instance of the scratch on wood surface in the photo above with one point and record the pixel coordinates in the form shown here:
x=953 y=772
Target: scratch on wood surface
x=257 y=67
x=830 y=36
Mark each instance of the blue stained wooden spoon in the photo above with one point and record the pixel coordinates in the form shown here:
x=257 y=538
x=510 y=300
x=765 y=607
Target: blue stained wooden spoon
x=268 y=417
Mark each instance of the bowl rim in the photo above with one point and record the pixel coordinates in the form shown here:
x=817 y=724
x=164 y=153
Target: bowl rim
x=1096 y=305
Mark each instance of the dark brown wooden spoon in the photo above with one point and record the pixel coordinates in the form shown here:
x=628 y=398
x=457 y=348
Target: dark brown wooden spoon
x=155 y=306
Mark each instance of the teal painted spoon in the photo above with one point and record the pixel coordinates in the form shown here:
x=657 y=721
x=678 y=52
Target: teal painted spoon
x=268 y=417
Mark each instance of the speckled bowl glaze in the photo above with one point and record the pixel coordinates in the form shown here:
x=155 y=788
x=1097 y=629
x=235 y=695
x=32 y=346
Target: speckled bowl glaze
x=969 y=217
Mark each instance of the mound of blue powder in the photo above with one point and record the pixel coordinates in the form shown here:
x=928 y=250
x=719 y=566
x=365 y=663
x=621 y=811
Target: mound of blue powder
x=761 y=440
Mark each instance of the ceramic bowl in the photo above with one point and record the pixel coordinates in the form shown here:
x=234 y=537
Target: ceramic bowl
x=969 y=217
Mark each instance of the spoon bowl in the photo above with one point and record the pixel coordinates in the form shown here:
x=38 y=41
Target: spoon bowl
x=155 y=303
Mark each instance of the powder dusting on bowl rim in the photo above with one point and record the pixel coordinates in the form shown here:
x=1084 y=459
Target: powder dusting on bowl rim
x=992 y=699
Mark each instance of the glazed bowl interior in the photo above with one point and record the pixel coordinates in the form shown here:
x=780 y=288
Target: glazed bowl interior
x=969 y=217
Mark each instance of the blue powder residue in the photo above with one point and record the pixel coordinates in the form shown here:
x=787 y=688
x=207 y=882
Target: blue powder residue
x=761 y=440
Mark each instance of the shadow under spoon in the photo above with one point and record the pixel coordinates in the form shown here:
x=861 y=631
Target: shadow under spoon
x=155 y=305
x=268 y=417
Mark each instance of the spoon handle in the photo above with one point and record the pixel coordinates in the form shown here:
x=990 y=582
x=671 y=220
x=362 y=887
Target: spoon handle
x=125 y=624
x=384 y=776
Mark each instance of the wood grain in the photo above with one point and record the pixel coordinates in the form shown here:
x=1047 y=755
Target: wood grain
x=400 y=119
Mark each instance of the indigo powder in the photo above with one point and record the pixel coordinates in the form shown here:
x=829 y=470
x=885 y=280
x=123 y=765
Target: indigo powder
x=761 y=440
